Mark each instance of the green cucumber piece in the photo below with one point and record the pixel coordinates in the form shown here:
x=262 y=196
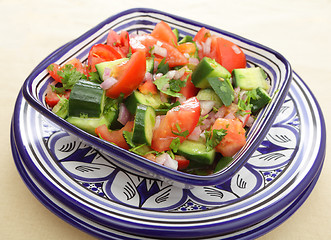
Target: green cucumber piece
x=223 y=89
x=250 y=78
x=196 y=151
x=222 y=163
x=86 y=99
x=186 y=39
x=137 y=97
x=210 y=95
x=207 y=68
x=143 y=125
x=176 y=32
x=110 y=64
x=87 y=124
x=61 y=108
x=261 y=99
x=150 y=65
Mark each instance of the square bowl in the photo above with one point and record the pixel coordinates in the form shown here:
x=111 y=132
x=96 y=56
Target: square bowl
x=139 y=20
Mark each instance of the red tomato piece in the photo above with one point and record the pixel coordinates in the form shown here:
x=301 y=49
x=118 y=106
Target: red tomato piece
x=188 y=48
x=120 y=42
x=163 y=32
x=129 y=75
x=147 y=42
x=101 y=53
x=182 y=162
x=189 y=90
x=116 y=136
x=148 y=87
x=202 y=35
x=235 y=138
x=229 y=55
x=54 y=68
x=184 y=117
x=52 y=98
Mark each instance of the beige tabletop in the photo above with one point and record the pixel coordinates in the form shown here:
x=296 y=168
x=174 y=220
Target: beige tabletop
x=30 y=30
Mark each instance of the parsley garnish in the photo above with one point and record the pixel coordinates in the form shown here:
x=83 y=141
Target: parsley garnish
x=179 y=131
x=175 y=85
x=94 y=77
x=174 y=145
x=212 y=140
x=163 y=67
x=70 y=76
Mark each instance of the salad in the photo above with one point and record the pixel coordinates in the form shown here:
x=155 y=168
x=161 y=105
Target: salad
x=186 y=103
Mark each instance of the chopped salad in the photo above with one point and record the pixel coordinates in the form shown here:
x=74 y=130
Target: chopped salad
x=183 y=102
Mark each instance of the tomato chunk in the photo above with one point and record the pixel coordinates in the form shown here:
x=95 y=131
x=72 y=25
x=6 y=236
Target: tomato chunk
x=235 y=138
x=116 y=136
x=101 y=53
x=163 y=32
x=129 y=76
x=54 y=68
x=52 y=98
x=179 y=119
x=189 y=90
x=147 y=43
x=120 y=42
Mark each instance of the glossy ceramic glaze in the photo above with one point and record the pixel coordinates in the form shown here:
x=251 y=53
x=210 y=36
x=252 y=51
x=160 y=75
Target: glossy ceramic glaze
x=89 y=190
x=143 y=20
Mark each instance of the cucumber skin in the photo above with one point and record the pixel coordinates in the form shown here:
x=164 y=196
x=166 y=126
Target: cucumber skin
x=196 y=151
x=137 y=98
x=263 y=99
x=110 y=64
x=87 y=124
x=86 y=98
x=143 y=125
x=208 y=68
x=250 y=78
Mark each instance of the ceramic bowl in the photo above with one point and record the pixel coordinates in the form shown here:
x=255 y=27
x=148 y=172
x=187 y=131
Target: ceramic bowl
x=140 y=20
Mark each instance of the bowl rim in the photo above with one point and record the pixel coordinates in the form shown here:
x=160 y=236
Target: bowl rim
x=171 y=174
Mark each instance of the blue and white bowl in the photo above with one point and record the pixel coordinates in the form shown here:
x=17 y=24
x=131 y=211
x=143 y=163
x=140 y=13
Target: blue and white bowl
x=143 y=20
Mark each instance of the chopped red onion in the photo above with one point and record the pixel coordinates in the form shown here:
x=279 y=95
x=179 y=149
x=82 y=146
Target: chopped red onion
x=187 y=55
x=159 y=43
x=206 y=106
x=158 y=75
x=195 y=135
x=106 y=73
x=207 y=46
x=193 y=61
x=170 y=163
x=171 y=74
x=230 y=116
x=250 y=121
x=159 y=51
x=148 y=77
x=198 y=45
x=123 y=115
x=179 y=73
x=108 y=83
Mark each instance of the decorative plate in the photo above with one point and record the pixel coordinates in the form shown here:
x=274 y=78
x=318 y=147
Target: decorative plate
x=143 y=20
x=90 y=191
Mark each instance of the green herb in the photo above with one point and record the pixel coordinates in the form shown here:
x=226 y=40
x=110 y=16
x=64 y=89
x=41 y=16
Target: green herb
x=174 y=145
x=180 y=133
x=163 y=67
x=223 y=89
x=212 y=140
x=58 y=90
x=70 y=76
x=94 y=77
x=163 y=85
x=176 y=85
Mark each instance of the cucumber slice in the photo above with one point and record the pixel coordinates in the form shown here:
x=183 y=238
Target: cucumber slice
x=207 y=68
x=138 y=98
x=110 y=64
x=222 y=163
x=261 y=99
x=86 y=99
x=250 y=78
x=87 y=124
x=150 y=65
x=209 y=95
x=196 y=151
x=143 y=125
